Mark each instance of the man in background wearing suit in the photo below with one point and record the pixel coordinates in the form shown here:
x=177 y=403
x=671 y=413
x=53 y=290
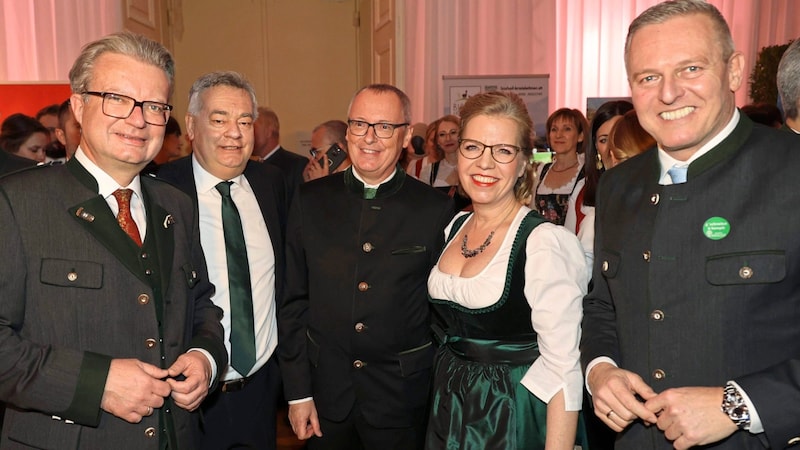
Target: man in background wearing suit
x=690 y=332
x=788 y=78
x=222 y=108
x=355 y=340
x=267 y=131
x=108 y=336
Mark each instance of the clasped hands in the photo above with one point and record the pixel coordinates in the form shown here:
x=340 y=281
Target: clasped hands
x=134 y=389
x=688 y=416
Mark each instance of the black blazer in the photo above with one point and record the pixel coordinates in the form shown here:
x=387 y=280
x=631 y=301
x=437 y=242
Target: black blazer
x=354 y=324
x=292 y=166
x=11 y=163
x=683 y=300
x=269 y=188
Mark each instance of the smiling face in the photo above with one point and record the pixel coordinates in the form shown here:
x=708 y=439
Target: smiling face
x=682 y=89
x=564 y=136
x=447 y=137
x=601 y=141
x=120 y=147
x=486 y=181
x=222 y=132
x=374 y=158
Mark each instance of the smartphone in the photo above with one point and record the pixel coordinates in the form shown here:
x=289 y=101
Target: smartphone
x=335 y=156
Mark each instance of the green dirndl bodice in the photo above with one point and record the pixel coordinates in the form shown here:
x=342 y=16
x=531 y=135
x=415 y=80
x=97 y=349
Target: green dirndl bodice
x=479 y=402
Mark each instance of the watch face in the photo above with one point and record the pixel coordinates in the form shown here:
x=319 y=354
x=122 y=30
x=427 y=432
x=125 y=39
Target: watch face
x=739 y=412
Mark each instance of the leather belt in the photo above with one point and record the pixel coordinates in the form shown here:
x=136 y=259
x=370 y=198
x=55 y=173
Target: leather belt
x=237 y=385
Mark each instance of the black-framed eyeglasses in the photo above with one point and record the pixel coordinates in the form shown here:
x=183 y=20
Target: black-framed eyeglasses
x=502 y=153
x=121 y=107
x=382 y=130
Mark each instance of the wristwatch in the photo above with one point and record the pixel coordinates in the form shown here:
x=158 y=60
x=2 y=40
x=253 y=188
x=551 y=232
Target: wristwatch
x=734 y=406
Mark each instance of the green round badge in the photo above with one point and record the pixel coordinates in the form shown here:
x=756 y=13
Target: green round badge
x=716 y=228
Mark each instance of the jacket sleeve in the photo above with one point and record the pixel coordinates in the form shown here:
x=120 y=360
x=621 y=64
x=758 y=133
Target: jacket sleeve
x=293 y=312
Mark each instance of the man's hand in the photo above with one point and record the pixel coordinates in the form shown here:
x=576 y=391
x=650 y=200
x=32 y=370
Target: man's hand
x=316 y=168
x=133 y=389
x=613 y=392
x=195 y=367
x=691 y=416
x=304 y=420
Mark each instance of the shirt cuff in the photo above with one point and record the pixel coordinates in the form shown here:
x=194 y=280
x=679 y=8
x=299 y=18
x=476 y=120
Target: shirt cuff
x=210 y=360
x=590 y=366
x=755 y=422
x=300 y=400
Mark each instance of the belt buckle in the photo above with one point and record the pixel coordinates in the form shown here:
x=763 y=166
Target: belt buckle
x=234 y=385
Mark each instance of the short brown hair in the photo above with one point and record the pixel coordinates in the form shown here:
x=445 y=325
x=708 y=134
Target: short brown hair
x=577 y=118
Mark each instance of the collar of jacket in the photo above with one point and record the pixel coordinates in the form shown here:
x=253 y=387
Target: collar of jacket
x=386 y=189
x=725 y=149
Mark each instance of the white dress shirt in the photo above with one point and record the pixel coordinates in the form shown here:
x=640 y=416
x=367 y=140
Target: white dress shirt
x=106 y=187
x=271 y=152
x=260 y=258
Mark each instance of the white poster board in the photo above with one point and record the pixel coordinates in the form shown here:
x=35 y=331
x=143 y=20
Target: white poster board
x=533 y=89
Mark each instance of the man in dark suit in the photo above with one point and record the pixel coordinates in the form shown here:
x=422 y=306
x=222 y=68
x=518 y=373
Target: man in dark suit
x=222 y=108
x=108 y=336
x=267 y=148
x=690 y=332
x=355 y=341
x=11 y=163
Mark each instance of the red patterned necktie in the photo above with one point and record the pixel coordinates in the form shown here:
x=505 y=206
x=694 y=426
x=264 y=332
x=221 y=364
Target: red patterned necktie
x=124 y=217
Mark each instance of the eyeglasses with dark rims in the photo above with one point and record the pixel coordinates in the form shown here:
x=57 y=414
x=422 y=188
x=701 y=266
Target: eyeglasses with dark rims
x=382 y=130
x=502 y=153
x=121 y=106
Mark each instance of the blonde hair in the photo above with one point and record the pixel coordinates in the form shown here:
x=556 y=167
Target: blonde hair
x=510 y=106
x=124 y=43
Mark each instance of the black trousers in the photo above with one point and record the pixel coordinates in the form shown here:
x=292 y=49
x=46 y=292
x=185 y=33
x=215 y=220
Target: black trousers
x=243 y=419
x=354 y=433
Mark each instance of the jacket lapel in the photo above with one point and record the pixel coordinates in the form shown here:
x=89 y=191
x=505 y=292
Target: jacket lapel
x=160 y=229
x=97 y=218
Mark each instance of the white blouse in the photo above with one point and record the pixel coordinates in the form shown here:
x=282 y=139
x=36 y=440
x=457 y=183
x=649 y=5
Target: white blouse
x=556 y=280
x=445 y=176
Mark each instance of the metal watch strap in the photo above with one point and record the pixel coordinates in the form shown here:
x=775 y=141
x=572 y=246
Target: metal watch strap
x=734 y=406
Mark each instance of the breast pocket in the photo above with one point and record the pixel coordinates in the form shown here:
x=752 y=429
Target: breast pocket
x=758 y=267
x=410 y=250
x=69 y=273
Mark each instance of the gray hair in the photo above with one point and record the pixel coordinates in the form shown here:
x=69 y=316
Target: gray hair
x=789 y=80
x=214 y=79
x=335 y=130
x=124 y=43
x=663 y=12
x=383 y=89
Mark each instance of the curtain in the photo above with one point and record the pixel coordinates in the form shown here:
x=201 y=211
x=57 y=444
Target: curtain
x=41 y=38
x=579 y=43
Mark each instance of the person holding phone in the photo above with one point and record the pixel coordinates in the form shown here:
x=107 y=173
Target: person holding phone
x=328 y=138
